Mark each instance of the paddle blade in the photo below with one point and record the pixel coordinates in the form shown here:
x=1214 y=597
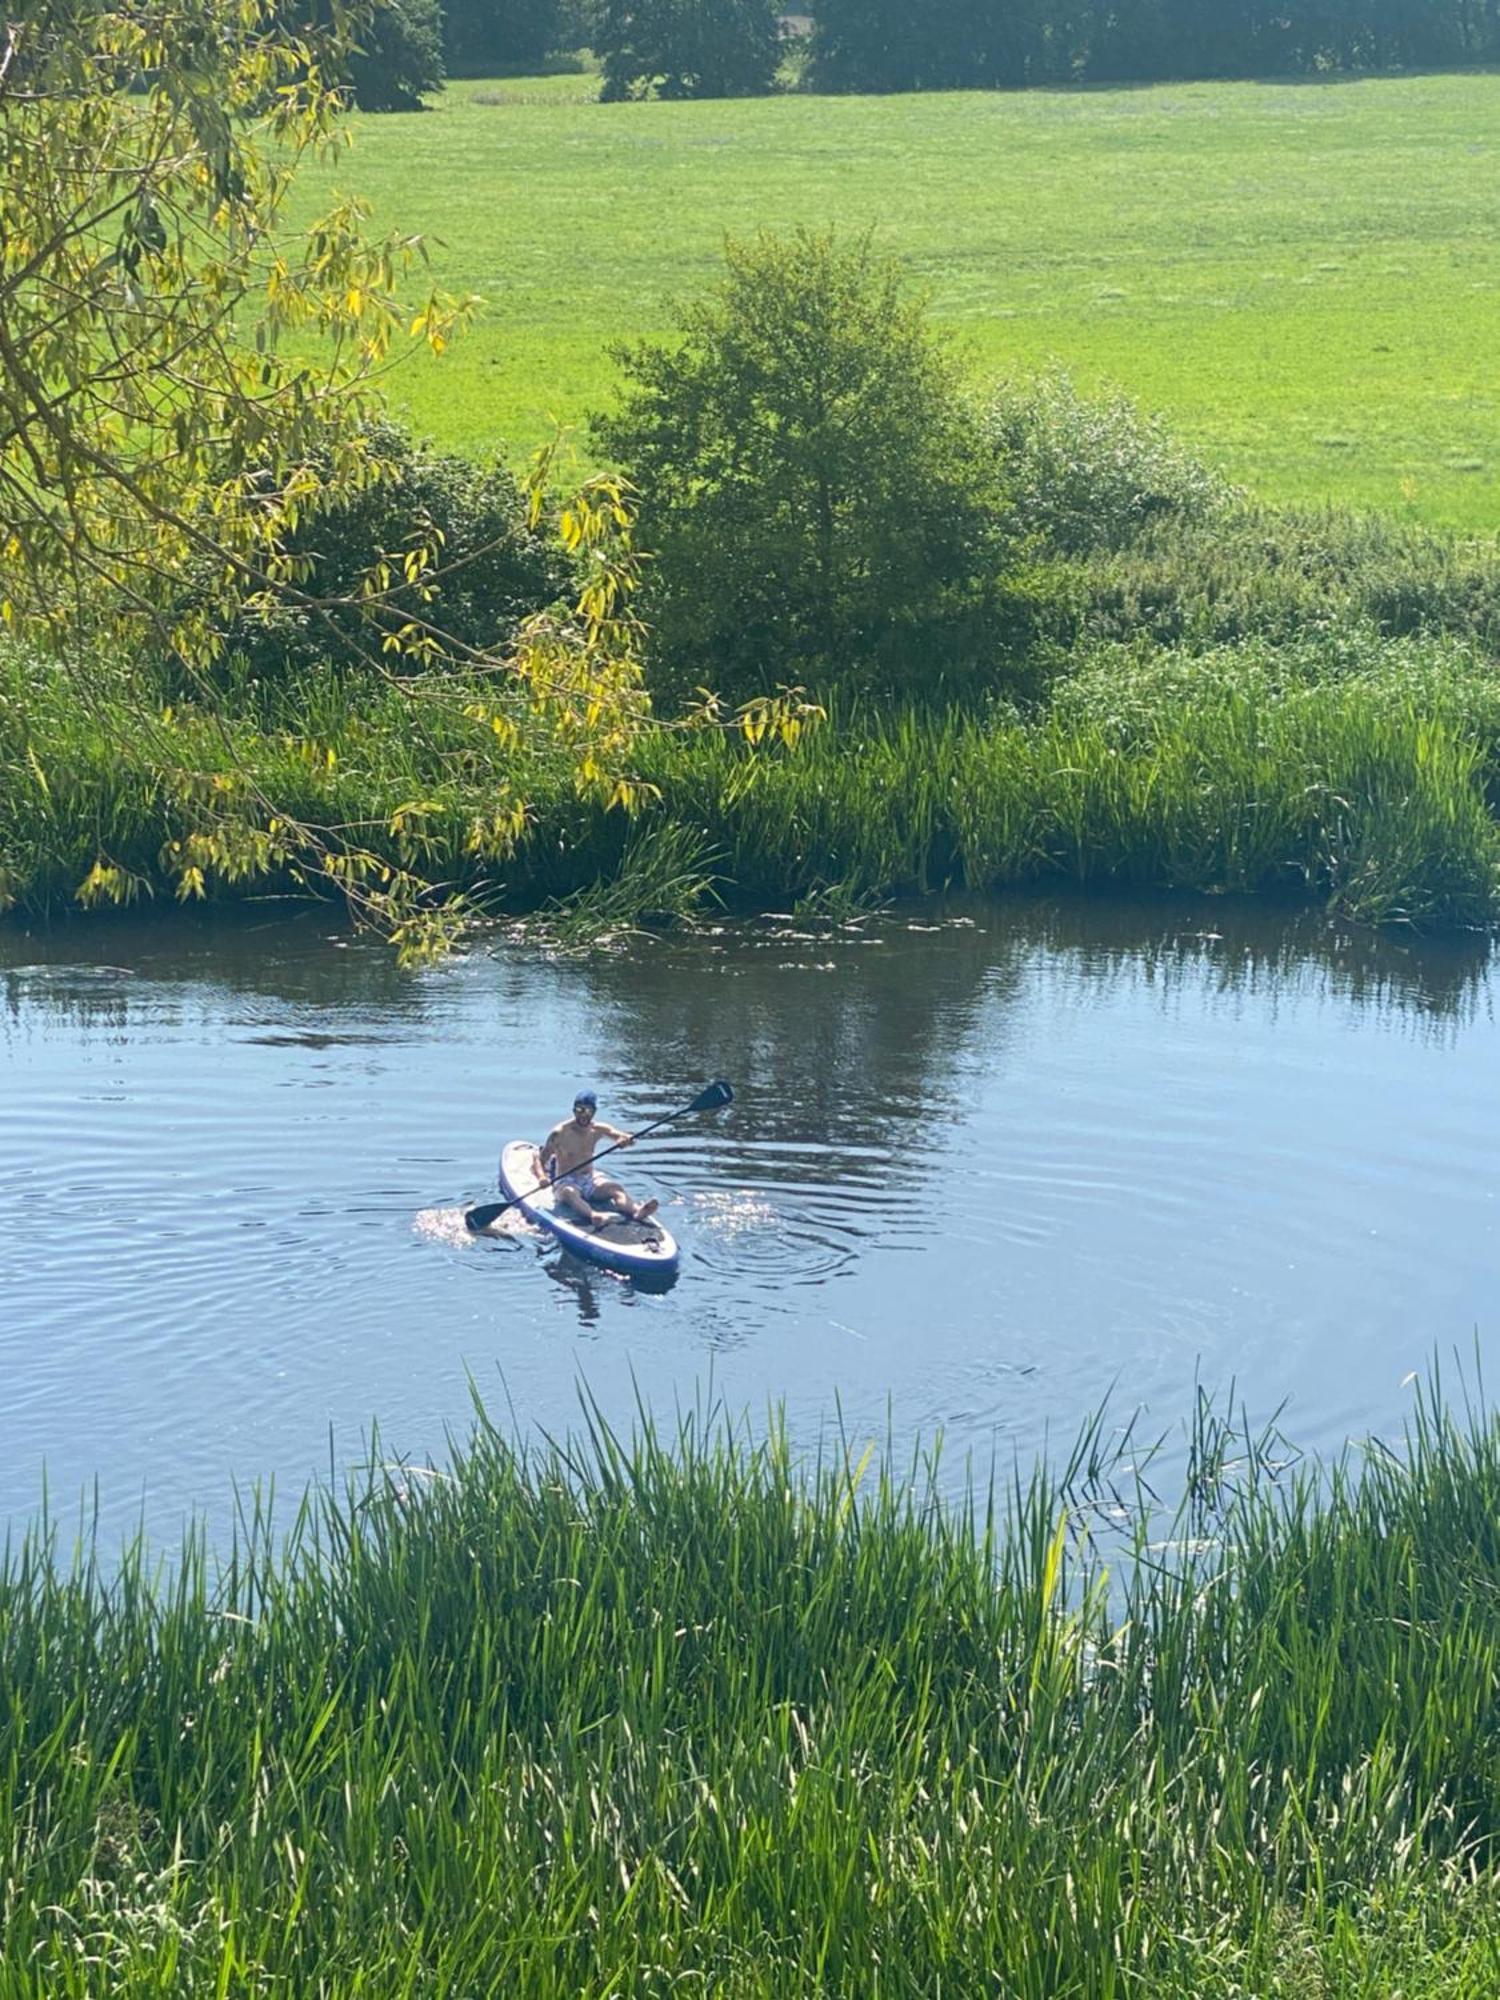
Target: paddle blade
x=717 y=1094
x=479 y=1218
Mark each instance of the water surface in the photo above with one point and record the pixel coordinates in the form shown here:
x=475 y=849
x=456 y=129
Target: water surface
x=984 y=1165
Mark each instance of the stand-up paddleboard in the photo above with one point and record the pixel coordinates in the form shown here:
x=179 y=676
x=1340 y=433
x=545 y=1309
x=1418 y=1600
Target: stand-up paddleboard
x=640 y=1249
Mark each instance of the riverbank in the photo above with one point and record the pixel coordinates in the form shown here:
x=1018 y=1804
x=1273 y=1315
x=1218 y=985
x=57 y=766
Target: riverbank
x=631 y=1712
x=1359 y=773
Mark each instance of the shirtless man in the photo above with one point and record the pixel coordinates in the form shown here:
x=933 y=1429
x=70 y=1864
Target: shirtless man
x=564 y=1158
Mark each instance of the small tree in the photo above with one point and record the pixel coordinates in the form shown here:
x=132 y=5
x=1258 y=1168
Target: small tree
x=811 y=485
x=399 y=56
x=687 y=48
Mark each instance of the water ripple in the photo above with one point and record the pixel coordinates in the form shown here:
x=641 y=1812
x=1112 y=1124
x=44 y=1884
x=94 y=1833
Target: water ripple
x=971 y=1179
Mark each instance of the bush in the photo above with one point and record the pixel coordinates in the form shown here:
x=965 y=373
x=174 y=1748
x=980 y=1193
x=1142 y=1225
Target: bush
x=401 y=56
x=687 y=48
x=1142 y=541
x=1282 y=573
x=813 y=488
x=1086 y=474
x=495 y=570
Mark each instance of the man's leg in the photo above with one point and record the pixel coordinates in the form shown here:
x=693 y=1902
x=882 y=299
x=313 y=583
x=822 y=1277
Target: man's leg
x=571 y=1201
x=614 y=1195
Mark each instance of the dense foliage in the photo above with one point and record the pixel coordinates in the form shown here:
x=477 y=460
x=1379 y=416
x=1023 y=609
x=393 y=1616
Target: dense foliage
x=1084 y=474
x=399 y=55
x=813 y=488
x=186 y=394
x=877 y=45
x=1355 y=771
x=687 y=48
x=496 y=566
x=681 y=1712
x=488 y=37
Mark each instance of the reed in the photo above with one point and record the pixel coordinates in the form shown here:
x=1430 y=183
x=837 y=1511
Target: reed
x=1359 y=773
x=638 y=1714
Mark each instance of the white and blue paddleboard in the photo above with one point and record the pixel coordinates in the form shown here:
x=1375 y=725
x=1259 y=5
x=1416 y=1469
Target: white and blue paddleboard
x=640 y=1249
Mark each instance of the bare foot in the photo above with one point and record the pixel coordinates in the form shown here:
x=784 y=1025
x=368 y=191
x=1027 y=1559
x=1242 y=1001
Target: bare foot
x=646 y=1210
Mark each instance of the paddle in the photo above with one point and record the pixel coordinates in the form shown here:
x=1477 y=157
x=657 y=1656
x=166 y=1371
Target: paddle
x=709 y=1099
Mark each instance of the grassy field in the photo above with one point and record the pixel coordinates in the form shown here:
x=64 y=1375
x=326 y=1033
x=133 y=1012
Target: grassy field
x=1302 y=276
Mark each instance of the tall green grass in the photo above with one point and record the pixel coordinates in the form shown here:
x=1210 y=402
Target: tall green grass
x=1362 y=778
x=1368 y=798
x=682 y=1712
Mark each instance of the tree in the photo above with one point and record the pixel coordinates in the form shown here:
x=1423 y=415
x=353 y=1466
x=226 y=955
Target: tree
x=811 y=487
x=688 y=48
x=154 y=429
x=399 y=56
x=482 y=37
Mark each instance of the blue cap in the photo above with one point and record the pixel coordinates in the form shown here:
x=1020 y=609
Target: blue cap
x=586 y=1097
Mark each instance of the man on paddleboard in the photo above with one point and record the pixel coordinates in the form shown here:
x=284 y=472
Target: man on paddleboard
x=565 y=1158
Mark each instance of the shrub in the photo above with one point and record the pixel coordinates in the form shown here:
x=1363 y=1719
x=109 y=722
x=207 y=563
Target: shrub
x=401 y=56
x=1283 y=573
x=493 y=570
x=813 y=488
x=1087 y=474
x=687 y=48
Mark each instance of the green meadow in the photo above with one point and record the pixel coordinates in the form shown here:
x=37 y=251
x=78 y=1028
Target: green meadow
x=1300 y=276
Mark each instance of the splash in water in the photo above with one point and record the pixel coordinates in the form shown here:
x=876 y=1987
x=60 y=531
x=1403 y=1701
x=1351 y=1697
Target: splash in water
x=447 y=1225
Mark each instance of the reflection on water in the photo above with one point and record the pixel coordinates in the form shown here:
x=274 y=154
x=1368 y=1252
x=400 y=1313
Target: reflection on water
x=981 y=1164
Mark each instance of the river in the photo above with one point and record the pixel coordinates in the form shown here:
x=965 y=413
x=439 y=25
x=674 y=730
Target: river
x=987 y=1165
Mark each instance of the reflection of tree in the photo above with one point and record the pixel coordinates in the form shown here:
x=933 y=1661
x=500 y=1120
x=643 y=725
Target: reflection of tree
x=850 y=1038
x=859 y=1047
x=825 y=1035
x=91 y=971
x=1255 y=948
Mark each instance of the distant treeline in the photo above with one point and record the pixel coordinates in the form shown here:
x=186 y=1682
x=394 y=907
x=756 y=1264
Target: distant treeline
x=745 y=48
x=880 y=45
x=483 y=37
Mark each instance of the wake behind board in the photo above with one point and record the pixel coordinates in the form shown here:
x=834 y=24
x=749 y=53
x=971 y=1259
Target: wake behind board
x=641 y=1250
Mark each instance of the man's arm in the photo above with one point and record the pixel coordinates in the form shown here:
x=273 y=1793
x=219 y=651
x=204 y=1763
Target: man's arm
x=609 y=1132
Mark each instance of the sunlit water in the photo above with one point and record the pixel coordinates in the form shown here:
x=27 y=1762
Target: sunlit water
x=982 y=1170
